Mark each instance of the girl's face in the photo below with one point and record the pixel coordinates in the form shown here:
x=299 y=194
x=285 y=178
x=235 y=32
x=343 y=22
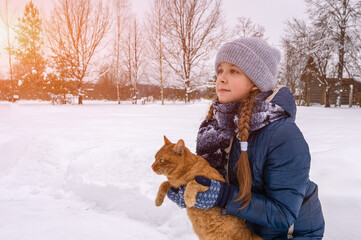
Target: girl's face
x=232 y=84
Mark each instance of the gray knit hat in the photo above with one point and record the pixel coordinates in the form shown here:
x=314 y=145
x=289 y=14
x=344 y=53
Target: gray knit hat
x=257 y=59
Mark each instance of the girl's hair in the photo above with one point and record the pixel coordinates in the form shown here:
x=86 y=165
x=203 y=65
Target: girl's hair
x=243 y=168
x=210 y=112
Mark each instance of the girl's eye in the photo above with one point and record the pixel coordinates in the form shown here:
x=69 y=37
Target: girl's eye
x=234 y=71
x=219 y=71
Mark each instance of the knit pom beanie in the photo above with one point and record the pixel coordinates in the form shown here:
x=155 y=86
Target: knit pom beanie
x=255 y=57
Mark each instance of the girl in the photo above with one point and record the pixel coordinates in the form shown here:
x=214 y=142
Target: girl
x=251 y=138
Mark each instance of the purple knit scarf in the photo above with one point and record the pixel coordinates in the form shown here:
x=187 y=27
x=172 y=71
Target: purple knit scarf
x=214 y=134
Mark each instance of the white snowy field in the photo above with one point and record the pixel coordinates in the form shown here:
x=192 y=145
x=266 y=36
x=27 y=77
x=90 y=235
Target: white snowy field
x=84 y=172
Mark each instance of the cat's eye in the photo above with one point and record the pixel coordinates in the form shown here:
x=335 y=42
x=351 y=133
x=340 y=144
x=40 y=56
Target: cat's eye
x=161 y=160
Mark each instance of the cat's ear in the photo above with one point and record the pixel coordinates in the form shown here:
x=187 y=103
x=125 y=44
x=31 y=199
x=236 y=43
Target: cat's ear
x=179 y=147
x=166 y=141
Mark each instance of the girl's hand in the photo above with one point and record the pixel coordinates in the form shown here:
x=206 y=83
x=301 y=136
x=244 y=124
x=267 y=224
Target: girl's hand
x=216 y=195
x=176 y=195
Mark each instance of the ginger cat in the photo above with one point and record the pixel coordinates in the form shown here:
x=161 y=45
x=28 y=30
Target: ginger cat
x=180 y=166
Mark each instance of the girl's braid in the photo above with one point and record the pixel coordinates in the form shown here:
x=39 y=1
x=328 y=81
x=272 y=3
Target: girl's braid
x=243 y=168
x=210 y=112
x=246 y=112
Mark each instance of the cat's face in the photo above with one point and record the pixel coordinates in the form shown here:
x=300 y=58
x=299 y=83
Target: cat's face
x=168 y=158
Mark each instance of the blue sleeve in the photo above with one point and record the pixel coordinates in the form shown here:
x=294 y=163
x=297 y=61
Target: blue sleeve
x=286 y=173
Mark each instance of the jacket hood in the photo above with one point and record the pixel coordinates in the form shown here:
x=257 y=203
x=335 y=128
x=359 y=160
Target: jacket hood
x=283 y=97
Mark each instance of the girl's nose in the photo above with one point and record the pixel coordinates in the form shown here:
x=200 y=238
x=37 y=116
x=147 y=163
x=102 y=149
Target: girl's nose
x=221 y=78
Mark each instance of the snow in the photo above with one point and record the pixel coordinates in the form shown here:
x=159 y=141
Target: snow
x=84 y=172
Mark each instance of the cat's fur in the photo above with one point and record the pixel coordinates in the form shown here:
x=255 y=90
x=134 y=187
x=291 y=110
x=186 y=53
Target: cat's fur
x=180 y=166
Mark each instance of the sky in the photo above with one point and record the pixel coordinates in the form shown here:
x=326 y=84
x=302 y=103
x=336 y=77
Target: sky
x=271 y=14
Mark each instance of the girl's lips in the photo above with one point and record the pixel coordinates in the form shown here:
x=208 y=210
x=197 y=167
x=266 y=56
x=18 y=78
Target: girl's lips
x=222 y=90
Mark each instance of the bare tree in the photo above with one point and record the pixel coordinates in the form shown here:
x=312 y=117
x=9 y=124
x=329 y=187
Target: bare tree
x=246 y=28
x=291 y=66
x=128 y=53
x=193 y=32
x=155 y=37
x=341 y=18
x=321 y=52
x=138 y=56
x=74 y=33
x=122 y=10
x=303 y=46
x=134 y=58
x=8 y=20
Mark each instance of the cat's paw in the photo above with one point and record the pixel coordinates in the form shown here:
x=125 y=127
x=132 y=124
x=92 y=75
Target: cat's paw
x=162 y=192
x=190 y=199
x=191 y=191
x=159 y=201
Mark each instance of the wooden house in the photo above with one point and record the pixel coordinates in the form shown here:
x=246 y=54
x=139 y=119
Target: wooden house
x=315 y=90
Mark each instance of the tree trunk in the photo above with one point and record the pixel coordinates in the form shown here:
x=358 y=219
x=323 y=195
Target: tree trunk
x=118 y=92
x=117 y=67
x=341 y=54
x=307 y=97
x=187 y=90
x=327 y=105
x=135 y=93
x=350 y=96
x=161 y=76
x=160 y=53
x=80 y=94
x=80 y=100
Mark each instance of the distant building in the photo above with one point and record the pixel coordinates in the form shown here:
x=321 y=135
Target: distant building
x=315 y=90
x=318 y=92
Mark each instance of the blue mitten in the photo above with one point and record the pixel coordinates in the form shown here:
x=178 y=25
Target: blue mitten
x=216 y=195
x=176 y=195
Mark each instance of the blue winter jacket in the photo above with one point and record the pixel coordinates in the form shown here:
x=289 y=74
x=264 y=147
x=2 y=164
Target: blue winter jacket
x=284 y=201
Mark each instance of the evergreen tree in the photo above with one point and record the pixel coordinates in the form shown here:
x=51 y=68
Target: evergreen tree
x=31 y=64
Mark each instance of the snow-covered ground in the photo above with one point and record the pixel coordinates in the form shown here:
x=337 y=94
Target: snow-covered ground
x=84 y=172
